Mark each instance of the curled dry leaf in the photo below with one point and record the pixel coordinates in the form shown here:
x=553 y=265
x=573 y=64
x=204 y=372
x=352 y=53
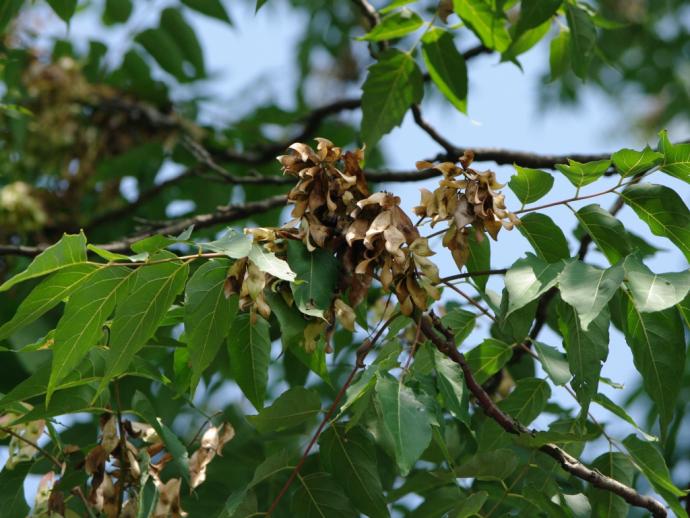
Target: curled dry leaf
x=20 y=449
x=110 y=439
x=212 y=442
x=168 y=504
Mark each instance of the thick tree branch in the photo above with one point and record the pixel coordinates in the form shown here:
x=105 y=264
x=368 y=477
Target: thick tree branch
x=445 y=343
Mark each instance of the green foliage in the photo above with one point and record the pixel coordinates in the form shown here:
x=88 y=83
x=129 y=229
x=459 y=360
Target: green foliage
x=385 y=380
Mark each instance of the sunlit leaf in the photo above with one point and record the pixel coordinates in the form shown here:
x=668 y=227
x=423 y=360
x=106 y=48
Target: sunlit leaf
x=582 y=39
x=580 y=174
x=528 y=279
x=607 y=232
x=294 y=407
x=676 y=157
x=394 y=25
x=249 y=348
x=629 y=162
x=487 y=22
x=446 y=66
x=488 y=358
x=530 y=185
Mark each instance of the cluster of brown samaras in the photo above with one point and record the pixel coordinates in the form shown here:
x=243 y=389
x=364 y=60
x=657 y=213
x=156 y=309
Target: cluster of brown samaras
x=372 y=237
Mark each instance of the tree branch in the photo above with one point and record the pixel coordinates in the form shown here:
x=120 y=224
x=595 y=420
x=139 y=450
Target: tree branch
x=445 y=343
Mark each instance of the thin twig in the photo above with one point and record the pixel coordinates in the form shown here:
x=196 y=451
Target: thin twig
x=469 y=299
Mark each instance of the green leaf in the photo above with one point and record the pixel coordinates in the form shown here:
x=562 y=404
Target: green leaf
x=488 y=358
x=534 y=13
x=527 y=401
x=581 y=174
x=587 y=350
x=8 y=11
x=269 y=263
x=676 y=157
x=249 y=347
x=554 y=363
x=71 y=249
x=143 y=406
x=82 y=323
x=657 y=341
x=138 y=315
x=446 y=66
x=350 y=457
x=259 y=5
x=12 y=490
x=276 y=463
x=393 y=84
x=394 y=25
x=654 y=292
x=294 y=407
x=652 y=464
x=319 y=272
x=395 y=4
x=525 y=42
x=605 y=503
x=163 y=48
x=405 y=421
x=451 y=385
x=663 y=211
x=530 y=185
x=607 y=232
x=604 y=401
x=528 y=279
x=545 y=236
x=184 y=36
x=117 y=11
x=83 y=398
x=48 y=294
x=479 y=259
x=559 y=59
x=588 y=289
x=583 y=38
x=232 y=244
x=629 y=162
x=489 y=465
x=319 y=496
x=461 y=322
x=471 y=505
x=212 y=8
x=486 y=22
x=292 y=326
x=207 y=314
x=64 y=8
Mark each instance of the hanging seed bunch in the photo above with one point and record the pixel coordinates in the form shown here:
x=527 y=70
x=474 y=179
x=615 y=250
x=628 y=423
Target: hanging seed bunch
x=469 y=200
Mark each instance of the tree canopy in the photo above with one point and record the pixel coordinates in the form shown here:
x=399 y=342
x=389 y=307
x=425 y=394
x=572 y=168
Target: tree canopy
x=189 y=326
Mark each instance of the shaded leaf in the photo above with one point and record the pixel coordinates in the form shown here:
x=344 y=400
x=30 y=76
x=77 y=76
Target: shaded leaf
x=461 y=322
x=319 y=272
x=554 y=363
x=446 y=66
x=137 y=316
x=319 y=496
x=350 y=457
x=207 y=314
x=249 y=347
x=657 y=341
x=489 y=465
x=71 y=249
x=606 y=504
x=405 y=420
x=607 y=232
x=212 y=8
x=479 y=259
x=649 y=459
x=12 y=490
x=586 y=349
x=545 y=236
x=294 y=407
x=604 y=401
x=85 y=314
x=185 y=38
x=582 y=40
x=64 y=8
x=534 y=13
x=163 y=48
x=559 y=58
x=663 y=211
x=488 y=358
x=48 y=294
x=527 y=401
x=392 y=85
x=451 y=384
